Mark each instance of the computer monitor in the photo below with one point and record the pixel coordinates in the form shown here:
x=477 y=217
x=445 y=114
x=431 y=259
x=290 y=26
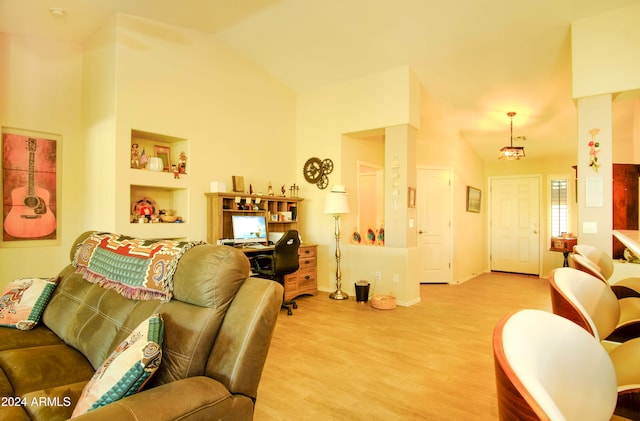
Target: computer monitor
x=249 y=228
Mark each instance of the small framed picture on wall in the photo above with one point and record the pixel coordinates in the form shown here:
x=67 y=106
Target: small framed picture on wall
x=474 y=197
x=238 y=183
x=411 y=197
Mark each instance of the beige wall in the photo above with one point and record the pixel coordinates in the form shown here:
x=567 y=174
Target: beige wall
x=626 y=130
x=99 y=128
x=605 y=53
x=40 y=81
x=168 y=80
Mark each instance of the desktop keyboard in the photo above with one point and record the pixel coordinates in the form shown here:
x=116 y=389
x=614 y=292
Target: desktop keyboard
x=251 y=246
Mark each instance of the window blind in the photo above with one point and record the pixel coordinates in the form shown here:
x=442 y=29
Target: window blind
x=559 y=207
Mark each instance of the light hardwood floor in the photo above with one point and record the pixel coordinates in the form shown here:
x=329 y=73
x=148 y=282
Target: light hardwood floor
x=342 y=360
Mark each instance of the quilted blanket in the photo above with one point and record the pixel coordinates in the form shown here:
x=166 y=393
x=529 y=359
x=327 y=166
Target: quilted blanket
x=137 y=269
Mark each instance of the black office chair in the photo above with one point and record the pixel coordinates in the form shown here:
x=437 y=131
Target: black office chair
x=283 y=261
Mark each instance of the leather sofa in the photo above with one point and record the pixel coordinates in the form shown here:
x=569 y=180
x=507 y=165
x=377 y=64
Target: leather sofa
x=218 y=328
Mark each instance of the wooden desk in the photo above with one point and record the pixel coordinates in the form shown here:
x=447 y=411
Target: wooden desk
x=304 y=280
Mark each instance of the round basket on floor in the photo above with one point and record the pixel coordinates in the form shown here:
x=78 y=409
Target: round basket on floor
x=383 y=302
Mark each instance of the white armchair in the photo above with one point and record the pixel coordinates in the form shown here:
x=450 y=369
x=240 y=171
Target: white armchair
x=548 y=368
x=590 y=303
x=602 y=267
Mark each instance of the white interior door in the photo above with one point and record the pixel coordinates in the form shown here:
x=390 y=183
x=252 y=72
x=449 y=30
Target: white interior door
x=515 y=225
x=433 y=206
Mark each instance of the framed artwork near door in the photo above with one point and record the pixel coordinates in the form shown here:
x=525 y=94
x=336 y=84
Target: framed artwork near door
x=474 y=197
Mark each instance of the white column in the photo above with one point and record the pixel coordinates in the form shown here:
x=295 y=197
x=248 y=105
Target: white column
x=595 y=181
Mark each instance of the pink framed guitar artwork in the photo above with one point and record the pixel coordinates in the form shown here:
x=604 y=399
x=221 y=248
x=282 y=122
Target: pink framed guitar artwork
x=29 y=187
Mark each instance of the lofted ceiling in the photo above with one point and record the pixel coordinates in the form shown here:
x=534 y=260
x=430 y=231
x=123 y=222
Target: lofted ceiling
x=476 y=60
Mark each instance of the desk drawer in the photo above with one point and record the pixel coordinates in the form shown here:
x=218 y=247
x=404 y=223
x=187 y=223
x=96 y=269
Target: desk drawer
x=307 y=262
x=307 y=278
x=307 y=251
x=303 y=281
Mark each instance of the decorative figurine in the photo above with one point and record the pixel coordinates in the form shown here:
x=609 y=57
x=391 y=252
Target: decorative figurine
x=145 y=212
x=176 y=173
x=380 y=237
x=135 y=157
x=283 y=190
x=270 y=191
x=182 y=163
x=371 y=236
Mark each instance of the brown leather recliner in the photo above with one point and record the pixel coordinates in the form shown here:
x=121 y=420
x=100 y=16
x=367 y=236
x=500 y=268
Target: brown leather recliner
x=218 y=329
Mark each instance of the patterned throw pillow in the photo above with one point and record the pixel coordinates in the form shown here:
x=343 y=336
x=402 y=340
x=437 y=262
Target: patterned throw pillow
x=24 y=301
x=127 y=369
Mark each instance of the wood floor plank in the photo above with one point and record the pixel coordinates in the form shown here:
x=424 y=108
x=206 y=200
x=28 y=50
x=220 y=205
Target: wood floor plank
x=342 y=360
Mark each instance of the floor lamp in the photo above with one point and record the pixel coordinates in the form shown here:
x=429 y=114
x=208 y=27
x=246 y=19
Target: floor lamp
x=336 y=203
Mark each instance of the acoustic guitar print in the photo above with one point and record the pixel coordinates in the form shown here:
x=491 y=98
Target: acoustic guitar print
x=30 y=215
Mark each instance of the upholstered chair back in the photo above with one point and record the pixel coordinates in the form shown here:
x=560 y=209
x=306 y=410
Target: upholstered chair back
x=602 y=260
x=548 y=368
x=584 y=299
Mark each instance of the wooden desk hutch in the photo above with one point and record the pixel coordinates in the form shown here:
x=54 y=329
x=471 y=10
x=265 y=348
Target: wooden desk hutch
x=276 y=210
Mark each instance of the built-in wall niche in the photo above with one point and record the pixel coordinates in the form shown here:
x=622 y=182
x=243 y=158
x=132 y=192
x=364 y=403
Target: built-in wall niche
x=363 y=155
x=170 y=150
x=171 y=202
x=158 y=200
x=370 y=195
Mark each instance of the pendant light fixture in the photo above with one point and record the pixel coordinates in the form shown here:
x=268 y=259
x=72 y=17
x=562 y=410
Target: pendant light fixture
x=511 y=152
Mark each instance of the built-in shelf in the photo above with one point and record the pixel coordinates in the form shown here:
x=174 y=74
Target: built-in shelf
x=158 y=179
x=280 y=212
x=164 y=189
x=168 y=148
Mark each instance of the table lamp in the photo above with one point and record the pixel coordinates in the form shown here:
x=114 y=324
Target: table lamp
x=336 y=203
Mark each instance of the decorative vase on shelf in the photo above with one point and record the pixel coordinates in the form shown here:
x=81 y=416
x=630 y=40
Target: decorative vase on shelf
x=155 y=164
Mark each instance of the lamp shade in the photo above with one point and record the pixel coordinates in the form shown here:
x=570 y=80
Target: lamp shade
x=336 y=201
x=511 y=152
